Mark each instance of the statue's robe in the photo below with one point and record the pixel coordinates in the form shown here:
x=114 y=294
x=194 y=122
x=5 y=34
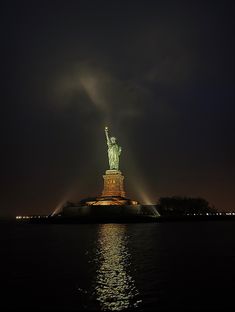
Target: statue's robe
x=114 y=152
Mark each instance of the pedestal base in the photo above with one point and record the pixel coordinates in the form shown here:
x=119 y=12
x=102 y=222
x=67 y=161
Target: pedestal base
x=113 y=183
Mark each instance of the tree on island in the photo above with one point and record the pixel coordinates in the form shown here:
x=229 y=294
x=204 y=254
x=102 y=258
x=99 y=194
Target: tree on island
x=180 y=206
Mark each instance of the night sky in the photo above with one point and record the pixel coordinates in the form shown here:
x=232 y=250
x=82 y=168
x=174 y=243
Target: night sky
x=160 y=74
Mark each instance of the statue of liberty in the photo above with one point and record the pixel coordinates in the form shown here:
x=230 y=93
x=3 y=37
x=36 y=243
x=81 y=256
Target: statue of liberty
x=114 y=151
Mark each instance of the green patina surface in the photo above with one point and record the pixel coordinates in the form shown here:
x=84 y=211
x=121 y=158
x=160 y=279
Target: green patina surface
x=114 y=151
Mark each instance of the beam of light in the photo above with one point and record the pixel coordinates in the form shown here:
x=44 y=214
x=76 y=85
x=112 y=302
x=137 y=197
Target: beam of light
x=115 y=288
x=91 y=85
x=134 y=178
x=144 y=197
x=58 y=208
x=61 y=203
x=84 y=77
x=69 y=194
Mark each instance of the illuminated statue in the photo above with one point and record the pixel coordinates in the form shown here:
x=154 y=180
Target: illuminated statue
x=114 y=151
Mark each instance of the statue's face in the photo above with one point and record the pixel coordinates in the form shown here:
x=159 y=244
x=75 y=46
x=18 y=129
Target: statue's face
x=113 y=140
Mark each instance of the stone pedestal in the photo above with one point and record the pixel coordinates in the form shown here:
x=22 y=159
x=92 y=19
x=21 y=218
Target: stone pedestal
x=113 y=183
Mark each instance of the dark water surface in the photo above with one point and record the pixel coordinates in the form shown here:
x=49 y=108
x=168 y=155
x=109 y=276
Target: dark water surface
x=175 y=265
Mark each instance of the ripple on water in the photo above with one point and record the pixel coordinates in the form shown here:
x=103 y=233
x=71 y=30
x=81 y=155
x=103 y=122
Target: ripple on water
x=115 y=288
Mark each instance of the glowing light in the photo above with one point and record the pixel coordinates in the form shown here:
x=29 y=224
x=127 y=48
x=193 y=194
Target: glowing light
x=92 y=83
x=30 y=217
x=145 y=199
x=59 y=207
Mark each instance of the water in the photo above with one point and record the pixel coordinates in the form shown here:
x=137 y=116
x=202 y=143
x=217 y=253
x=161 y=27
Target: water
x=175 y=265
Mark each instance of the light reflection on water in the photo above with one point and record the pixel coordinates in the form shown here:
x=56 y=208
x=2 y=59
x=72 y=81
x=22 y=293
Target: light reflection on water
x=114 y=286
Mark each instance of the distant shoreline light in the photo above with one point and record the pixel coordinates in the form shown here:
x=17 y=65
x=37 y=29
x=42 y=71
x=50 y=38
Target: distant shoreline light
x=30 y=217
x=188 y=214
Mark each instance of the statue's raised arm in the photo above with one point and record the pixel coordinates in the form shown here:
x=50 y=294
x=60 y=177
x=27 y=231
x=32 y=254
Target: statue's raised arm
x=106 y=130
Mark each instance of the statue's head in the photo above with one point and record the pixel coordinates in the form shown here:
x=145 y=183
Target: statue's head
x=113 y=140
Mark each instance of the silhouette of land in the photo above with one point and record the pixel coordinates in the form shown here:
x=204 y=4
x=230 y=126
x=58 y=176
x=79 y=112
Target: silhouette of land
x=173 y=208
